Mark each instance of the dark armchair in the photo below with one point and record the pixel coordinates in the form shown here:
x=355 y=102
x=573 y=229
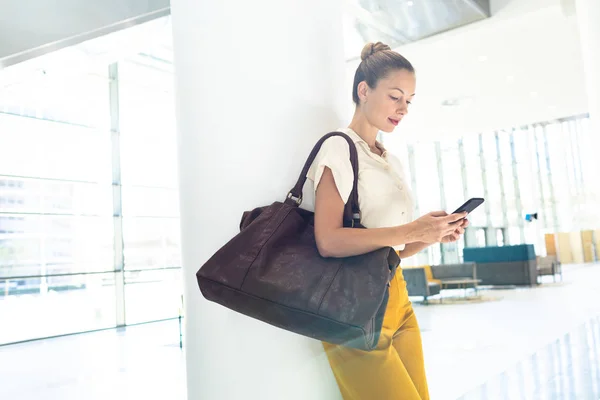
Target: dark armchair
x=417 y=283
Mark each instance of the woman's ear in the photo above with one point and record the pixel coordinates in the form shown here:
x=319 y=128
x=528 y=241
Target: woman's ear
x=363 y=91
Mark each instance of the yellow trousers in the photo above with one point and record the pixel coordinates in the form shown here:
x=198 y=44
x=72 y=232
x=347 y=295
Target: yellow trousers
x=395 y=369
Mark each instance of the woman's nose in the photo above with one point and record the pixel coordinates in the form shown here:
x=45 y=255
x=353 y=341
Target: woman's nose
x=403 y=109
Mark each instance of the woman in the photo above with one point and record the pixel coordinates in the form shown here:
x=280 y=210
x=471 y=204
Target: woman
x=384 y=85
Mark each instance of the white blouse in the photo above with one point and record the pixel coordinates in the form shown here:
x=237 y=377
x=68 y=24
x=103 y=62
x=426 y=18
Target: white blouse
x=384 y=196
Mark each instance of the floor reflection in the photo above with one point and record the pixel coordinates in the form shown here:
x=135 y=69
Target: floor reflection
x=568 y=368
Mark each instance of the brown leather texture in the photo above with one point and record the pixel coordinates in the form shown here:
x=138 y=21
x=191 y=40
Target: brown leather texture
x=272 y=271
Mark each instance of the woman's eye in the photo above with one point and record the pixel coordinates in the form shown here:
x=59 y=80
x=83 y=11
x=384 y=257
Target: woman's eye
x=409 y=102
x=394 y=98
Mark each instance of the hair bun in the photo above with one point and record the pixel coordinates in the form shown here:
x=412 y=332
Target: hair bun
x=372 y=48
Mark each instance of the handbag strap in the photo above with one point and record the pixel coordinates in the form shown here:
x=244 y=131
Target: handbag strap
x=351 y=209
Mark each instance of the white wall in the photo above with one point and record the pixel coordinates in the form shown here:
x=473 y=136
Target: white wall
x=255 y=90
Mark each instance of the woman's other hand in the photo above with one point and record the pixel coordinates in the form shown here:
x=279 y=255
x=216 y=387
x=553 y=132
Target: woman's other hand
x=439 y=226
x=458 y=232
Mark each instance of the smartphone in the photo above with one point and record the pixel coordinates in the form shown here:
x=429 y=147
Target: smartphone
x=469 y=206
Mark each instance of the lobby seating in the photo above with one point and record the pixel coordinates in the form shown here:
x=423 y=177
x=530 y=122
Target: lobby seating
x=450 y=274
x=427 y=281
x=504 y=265
x=417 y=283
x=549 y=265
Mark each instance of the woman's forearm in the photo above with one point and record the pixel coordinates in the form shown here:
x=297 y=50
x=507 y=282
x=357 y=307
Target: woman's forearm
x=346 y=242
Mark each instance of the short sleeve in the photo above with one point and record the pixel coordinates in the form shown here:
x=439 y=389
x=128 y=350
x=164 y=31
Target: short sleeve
x=335 y=154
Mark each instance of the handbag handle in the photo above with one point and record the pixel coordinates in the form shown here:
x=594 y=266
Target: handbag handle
x=351 y=209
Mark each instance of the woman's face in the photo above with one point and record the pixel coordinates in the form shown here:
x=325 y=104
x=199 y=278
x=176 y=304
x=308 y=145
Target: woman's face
x=386 y=105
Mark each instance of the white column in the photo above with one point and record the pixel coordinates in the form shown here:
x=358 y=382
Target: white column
x=588 y=15
x=257 y=83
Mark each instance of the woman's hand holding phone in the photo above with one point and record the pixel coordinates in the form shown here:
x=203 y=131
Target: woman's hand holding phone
x=438 y=227
x=458 y=232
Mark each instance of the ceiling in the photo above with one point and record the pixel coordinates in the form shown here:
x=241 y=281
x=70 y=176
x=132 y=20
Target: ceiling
x=522 y=65
x=397 y=22
x=496 y=74
x=149 y=43
x=71 y=22
x=35 y=28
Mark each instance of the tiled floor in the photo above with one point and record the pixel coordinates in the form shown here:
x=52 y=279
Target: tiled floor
x=541 y=343
x=143 y=363
x=467 y=345
x=568 y=368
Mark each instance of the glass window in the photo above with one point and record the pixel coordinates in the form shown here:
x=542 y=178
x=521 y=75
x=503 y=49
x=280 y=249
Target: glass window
x=567 y=154
x=500 y=237
x=584 y=165
x=151 y=232
x=46 y=244
x=531 y=235
x=428 y=184
x=148 y=134
x=480 y=235
x=151 y=243
x=452 y=175
x=149 y=161
x=74 y=92
x=152 y=295
x=538 y=170
x=588 y=152
x=544 y=175
x=434 y=254
x=514 y=235
x=147 y=201
x=43 y=149
x=506 y=163
x=575 y=150
x=560 y=179
x=37 y=196
x=494 y=200
x=474 y=177
x=57 y=178
x=453 y=251
x=526 y=169
x=563 y=158
x=461 y=246
x=33 y=308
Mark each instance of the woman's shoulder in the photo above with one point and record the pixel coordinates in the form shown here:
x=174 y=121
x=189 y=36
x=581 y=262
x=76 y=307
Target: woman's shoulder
x=335 y=154
x=335 y=147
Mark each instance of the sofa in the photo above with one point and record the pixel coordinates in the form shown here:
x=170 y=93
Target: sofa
x=417 y=283
x=446 y=273
x=427 y=281
x=504 y=265
x=549 y=265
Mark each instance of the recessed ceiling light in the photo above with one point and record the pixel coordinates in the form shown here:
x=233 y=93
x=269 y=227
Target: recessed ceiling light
x=410 y=3
x=458 y=101
x=552 y=107
x=510 y=78
x=533 y=94
x=483 y=58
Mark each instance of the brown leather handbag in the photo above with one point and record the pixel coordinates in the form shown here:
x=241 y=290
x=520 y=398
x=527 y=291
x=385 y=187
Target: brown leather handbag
x=272 y=271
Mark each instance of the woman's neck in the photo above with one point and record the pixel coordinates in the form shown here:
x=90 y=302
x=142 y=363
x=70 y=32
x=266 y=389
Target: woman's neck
x=365 y=130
